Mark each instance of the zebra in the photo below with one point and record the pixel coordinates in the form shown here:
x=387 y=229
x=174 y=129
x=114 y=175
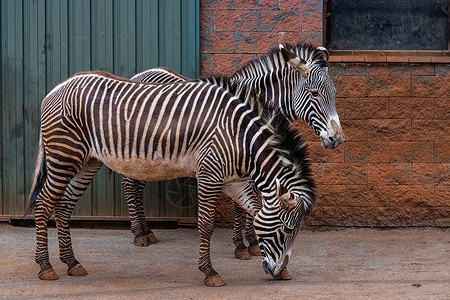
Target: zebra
x=155 y=132
x=316 y=107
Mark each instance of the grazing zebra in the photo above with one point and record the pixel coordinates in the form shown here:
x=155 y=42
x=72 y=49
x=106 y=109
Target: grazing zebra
x=157 y=132
x=315 y=106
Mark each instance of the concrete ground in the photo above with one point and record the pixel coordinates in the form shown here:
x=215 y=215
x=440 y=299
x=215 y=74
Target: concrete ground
x=339 y=264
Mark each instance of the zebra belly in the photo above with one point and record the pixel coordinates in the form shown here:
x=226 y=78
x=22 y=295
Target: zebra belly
x=151 y=170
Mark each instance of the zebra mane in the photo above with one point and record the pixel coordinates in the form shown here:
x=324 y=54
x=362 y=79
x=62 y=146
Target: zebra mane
x=274 y=60
x=292 y=147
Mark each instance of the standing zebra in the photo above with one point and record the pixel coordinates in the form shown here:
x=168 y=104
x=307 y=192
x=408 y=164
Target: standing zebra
x=315 y=105
x=158 y=132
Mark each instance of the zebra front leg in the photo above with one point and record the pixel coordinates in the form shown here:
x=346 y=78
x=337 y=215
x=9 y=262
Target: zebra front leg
x=63 y=211
x=250 y=236
x=208 y=193
x=133 y=190
x=241 y=251
x=245 y=195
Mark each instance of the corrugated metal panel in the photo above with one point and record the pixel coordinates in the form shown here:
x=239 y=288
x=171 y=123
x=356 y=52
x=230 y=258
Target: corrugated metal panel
x=44 y=42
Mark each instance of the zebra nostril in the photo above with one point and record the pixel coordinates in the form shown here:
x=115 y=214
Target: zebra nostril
x=332 y=139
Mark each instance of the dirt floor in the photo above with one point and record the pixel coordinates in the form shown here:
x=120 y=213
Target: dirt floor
x=338 y=264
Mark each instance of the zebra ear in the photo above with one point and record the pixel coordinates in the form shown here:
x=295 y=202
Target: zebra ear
x=295 y=61
x=283 y=195
x=324 y=50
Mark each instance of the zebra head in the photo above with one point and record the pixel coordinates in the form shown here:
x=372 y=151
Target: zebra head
x=277 y=225
x=313 y=91
x=296 y=80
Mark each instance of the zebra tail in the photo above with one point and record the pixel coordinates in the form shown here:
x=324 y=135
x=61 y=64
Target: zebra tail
x=40 y=174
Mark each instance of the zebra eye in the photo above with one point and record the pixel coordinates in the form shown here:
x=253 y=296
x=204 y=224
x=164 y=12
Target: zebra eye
x=315 y=93
x=288 y=229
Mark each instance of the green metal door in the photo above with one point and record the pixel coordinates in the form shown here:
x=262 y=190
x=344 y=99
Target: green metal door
x=44 y=42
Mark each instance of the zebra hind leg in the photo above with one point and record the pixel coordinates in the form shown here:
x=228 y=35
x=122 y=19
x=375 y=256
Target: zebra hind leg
x=241 y=251
x=51 y=193
x=63 y=211
x=133 y=190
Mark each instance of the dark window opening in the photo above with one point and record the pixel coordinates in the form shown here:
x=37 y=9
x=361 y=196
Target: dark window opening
x=387 y=25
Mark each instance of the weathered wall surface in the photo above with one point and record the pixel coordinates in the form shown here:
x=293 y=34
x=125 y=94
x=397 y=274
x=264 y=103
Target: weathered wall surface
x=394 y=167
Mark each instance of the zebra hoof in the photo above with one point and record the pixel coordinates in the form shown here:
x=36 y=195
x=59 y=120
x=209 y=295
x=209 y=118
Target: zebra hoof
x=242 y=254
x=152 y=238
x=284 y=275
x=215 y=280
x=254 y=250
x=48 y=274
x=77 y=270
x=141 y=241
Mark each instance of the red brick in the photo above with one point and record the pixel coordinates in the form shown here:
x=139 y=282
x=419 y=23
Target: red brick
x=340 y=107
x=229 y=63
x=425 y=174
x=354 y=130
x=441 y=216
x=312 y=21
x=322 y=216
x=412 y=195
x=411 y=108
x=366 y=152
x=216 y=4
x=255 y=4
x=351 y=216
x=331 y=195
x=206 y=64
x=389 y=173
x=384 y=216
x=431 y=216
x=311 y=5
x=288 y=4
x=366 y=108
x=339 y=173
x=389 y=130
x=442 y=152
x=423 y=216
x=217 y=42
x=411 y=152
x=206 y=21
x=292 y=37
x=425 y=130
x=388 y=85
x=442 y=108
x=442 y=70
x=318 y=153
x=235 y=20
x=254 y=42
x=280 y=20
x=350 y=86
x=357 y=69
x=413 y=69
x=424 y=86
x=368 y=195
x=442 y=195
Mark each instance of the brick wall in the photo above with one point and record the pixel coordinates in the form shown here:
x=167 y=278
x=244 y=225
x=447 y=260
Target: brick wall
x=235 y=31
x=394 y=167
